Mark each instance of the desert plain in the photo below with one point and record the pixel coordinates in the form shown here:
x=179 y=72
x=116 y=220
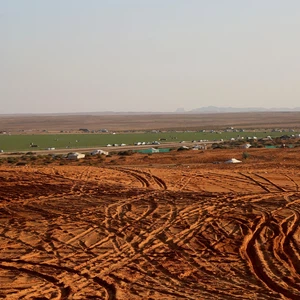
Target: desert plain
x=181 y=225
x=177 y=225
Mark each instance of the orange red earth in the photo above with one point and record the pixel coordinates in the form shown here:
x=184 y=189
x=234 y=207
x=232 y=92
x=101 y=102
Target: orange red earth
x=165 y=226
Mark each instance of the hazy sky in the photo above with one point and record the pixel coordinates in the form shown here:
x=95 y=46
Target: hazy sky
x=148 y=55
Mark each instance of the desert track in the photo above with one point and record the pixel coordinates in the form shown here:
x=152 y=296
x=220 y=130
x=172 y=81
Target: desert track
x=149 y=233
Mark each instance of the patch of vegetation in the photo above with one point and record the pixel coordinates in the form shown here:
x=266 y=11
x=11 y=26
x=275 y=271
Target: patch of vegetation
x=11 y=160
x=219 y=146
x=101 y=156
x=30 y=153
x=125 y=153
x=61 y=141
x=245 y=155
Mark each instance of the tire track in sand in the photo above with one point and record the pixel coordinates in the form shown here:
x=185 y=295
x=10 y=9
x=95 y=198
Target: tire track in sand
x=258 y=263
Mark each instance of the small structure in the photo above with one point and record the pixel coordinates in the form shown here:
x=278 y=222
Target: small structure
x=75 y=155
x=183 y=148
x=154 y=150
x=148 y=151
x=199 y=147
x=246 y=146
x=232 y=161
x=164 y=150
x=96 y=152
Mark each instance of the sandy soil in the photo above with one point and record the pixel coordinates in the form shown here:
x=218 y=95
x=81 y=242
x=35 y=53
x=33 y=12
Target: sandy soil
x=146 y=230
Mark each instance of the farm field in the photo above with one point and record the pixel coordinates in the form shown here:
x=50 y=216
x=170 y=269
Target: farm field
x=22 y=142
x=165 y=226
x=45 y=131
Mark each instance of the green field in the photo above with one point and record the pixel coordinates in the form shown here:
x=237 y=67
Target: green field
x=60 y=141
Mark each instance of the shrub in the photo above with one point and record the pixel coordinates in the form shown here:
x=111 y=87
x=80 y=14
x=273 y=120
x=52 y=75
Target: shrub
x=30 y=153
x=127 y=153
x=245 y=155
x=11 y=160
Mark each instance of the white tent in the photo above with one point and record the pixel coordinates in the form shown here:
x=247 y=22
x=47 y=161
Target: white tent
x=232 y=161
x=95 y=152
x=246 y=146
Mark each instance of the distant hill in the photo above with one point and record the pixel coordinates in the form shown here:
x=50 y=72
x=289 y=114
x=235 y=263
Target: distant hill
x=216 y=109
x=180 y=110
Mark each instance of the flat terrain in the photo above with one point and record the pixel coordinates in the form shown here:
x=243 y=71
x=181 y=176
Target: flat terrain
x=121 y=122
x=165 y=226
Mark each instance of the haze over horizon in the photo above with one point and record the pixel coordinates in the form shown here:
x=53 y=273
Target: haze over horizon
x=157 y=56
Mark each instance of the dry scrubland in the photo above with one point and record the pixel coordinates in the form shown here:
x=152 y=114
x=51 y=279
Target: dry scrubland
x=119 y=122
x=163 y=226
